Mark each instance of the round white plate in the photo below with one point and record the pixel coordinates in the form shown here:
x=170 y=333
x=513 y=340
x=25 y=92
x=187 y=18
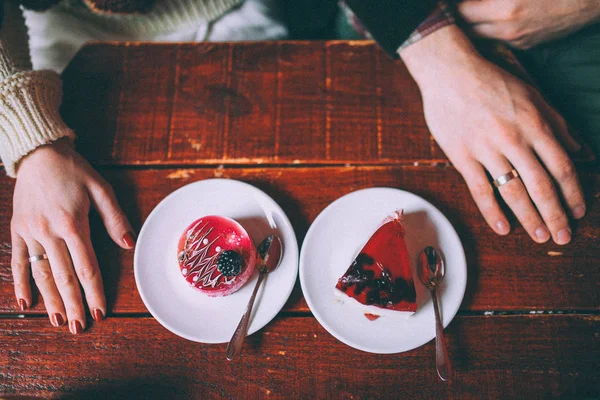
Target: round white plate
x=184 y=310
x=339 y=233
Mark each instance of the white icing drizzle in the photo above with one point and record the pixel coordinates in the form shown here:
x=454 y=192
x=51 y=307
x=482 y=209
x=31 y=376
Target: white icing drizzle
x=195 y=259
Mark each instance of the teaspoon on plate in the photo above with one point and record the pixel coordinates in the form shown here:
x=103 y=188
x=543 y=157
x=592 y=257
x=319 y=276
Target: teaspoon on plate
x=431 y=272
x=269 y=257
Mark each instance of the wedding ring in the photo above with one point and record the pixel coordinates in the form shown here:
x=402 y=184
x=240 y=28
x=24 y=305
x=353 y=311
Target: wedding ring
x=504 y=179
x=40 y=257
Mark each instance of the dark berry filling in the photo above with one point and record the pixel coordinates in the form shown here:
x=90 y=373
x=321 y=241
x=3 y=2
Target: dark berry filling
x=380 y=290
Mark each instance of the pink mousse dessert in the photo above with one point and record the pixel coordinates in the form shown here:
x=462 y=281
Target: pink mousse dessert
x=216 y=255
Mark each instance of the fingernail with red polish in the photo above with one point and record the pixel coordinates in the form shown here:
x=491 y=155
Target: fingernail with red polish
x=57 y=320
x=98 y=315
x=129 y=240
x=22 y=304
x=76 y=327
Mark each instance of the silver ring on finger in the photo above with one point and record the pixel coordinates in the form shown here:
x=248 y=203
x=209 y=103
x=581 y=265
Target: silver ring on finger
x=39 y=257
x=505 y=178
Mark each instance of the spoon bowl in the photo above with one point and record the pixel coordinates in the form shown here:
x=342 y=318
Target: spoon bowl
x=431 y=269
x=269 y=254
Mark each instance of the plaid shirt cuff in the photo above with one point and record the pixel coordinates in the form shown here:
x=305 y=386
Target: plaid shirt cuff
x=440 y=16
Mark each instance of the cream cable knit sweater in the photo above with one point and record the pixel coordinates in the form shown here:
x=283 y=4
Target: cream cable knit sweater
x=29 y=100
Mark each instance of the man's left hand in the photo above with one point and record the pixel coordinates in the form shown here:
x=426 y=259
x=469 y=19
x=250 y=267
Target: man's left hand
x=526 y=23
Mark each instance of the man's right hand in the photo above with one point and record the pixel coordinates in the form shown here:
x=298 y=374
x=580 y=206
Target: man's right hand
x=487 y=120
x=54 y=190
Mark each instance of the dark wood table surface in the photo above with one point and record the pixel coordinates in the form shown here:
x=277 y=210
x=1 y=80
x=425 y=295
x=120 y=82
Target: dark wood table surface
x=306 y=122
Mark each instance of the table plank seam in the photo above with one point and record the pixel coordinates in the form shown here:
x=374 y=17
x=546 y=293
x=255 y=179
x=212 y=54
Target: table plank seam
x=308 y=314
x=211 y=164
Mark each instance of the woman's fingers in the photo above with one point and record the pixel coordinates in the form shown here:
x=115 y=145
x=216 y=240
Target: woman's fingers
x=87 y=270
x=21 y=271
x=42 y=275
x=516 y=197
x=114 y=219
x=70 y=262
x=483 y=194
x=66 y=282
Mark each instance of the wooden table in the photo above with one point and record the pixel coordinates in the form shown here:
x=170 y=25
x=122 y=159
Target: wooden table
x=306 y=123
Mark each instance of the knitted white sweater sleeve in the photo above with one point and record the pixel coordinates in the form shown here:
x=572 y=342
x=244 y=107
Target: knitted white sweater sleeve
x=29 y=100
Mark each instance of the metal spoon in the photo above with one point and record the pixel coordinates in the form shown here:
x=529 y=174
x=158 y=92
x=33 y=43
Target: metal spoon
x=431 y=272
x=268 y=258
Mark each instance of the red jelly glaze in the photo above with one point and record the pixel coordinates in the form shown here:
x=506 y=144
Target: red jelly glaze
x=199 y=248
x=381 y=275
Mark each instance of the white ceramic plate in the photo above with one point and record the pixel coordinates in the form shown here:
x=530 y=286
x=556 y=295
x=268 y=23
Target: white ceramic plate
x=335 y=238
x=184 y=310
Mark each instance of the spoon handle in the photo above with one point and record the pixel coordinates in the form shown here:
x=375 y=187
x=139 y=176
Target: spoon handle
x=237 y=340
x=441 y=354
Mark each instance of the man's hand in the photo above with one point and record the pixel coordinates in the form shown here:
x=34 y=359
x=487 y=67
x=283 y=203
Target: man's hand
x=527 y=23
x=487 y=120
x=55 y=188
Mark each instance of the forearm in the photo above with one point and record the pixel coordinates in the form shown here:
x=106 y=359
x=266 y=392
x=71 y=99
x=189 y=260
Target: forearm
x=447 y=49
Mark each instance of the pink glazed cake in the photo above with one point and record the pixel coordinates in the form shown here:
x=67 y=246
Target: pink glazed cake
x=216 y=255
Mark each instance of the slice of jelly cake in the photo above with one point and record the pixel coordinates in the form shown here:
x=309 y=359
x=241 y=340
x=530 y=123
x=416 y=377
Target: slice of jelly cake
x=380 y=277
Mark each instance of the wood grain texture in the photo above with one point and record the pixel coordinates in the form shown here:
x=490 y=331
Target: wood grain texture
x=276 y=102
x=504 y=273
x=492 y=357
x=306 y=122
x=197 y=118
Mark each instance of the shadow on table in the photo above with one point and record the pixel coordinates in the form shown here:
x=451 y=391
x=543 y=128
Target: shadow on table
x=467 y=237
x=144 y=388
x=108 y=255
x=470 y=246
x=289 y=203
x=297 y=216
x=111 y=258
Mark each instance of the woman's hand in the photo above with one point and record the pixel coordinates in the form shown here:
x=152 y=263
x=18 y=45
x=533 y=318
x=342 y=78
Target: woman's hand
x=54 y=189
x=527 y=23
x=487 y=120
